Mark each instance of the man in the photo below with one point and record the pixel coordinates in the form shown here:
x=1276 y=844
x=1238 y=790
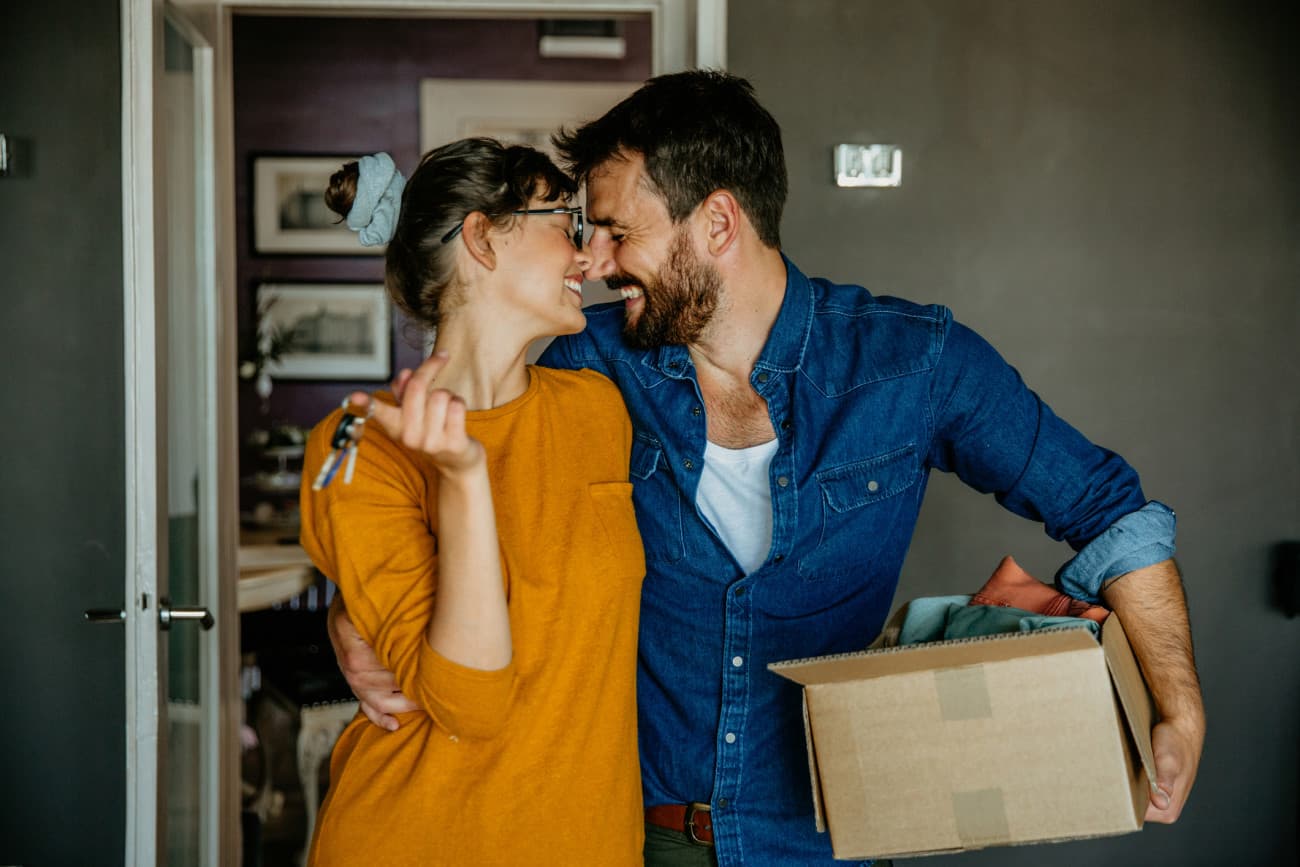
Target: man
x=785 y=429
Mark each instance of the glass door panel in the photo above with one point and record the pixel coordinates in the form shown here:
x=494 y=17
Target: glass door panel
x=190 y=432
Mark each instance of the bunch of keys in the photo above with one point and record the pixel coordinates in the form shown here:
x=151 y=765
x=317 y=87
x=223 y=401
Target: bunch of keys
x=343 y=447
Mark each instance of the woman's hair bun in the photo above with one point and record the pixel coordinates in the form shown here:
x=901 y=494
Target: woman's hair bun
x=342 y=190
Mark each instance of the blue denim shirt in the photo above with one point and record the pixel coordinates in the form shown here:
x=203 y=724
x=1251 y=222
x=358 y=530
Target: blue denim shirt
x=867 y=394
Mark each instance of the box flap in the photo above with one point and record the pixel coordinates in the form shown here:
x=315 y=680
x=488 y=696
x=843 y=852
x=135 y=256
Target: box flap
x=1134 y=696
x=867 y=664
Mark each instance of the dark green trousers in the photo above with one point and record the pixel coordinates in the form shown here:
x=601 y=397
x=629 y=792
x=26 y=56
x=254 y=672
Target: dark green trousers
x=664 y=848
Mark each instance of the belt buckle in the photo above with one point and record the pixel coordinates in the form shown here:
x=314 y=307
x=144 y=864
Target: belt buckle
x=691 y=810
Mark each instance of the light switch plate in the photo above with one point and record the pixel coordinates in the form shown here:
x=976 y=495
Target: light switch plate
x=875 y=165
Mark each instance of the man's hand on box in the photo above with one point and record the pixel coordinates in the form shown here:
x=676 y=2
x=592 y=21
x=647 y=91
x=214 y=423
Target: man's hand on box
x=1177 y=750
x=1153 y=608
x=374 y=686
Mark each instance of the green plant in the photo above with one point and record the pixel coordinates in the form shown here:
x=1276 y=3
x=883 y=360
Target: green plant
x=263 y=344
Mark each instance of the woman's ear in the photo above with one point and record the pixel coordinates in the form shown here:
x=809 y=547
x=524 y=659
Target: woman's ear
x=477 y=235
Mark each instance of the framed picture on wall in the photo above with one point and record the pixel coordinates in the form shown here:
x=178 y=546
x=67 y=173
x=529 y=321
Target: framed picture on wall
x=516 y=112
x=289 y=212
x=328 y=330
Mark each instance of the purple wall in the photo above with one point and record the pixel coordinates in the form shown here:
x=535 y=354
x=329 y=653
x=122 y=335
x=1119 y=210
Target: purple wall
x=351 y=85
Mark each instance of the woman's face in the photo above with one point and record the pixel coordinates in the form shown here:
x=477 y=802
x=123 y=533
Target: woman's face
x=543 y=270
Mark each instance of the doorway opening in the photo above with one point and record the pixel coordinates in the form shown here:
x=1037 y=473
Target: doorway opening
x=309 y=93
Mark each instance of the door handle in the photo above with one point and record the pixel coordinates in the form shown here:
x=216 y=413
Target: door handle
x=166 y=615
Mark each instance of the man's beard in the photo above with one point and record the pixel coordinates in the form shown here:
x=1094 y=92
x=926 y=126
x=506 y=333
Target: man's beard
x=678 y=302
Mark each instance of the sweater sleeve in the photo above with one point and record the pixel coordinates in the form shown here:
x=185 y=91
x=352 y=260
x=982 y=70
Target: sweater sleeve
x=376 y=539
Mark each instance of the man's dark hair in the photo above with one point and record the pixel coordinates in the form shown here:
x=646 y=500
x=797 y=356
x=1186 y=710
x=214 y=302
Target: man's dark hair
x=699 y=131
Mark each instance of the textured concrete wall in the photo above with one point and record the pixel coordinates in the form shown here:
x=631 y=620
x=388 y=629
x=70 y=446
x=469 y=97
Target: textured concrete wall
x=1109 y=192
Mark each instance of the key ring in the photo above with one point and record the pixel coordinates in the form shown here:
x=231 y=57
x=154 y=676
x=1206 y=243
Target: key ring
x=343 y=446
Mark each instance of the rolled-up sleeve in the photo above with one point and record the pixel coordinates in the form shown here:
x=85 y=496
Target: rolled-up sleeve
x=374 y=538
x=1137 y=540
x=999 y=437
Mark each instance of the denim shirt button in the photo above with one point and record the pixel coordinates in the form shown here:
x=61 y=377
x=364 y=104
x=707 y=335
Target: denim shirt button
x=777 y=559
x=783 y=481
x=689 y=464
x=740 y=591
x=873 y=486
x=722 y=803
x=785 y=424
x=695 y=410
x=762 y=377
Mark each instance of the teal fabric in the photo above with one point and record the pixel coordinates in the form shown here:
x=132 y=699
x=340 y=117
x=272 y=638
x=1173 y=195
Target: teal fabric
x=941 y=618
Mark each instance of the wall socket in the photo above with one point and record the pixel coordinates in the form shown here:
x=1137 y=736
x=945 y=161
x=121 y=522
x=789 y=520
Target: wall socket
x=875 y=165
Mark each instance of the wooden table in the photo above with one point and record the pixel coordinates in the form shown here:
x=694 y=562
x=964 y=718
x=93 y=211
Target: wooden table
x=272 y=573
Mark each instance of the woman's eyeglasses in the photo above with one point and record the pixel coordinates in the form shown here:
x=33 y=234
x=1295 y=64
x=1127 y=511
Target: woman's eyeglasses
x=575 y=213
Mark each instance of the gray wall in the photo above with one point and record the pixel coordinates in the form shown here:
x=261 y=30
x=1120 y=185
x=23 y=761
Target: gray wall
x=62 y=528
x=1109 y=192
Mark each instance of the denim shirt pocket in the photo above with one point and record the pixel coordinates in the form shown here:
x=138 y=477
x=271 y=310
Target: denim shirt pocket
x=658 y=504
x=860 y=504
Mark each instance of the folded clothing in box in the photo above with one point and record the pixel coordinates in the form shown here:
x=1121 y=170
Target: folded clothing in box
x=1011 y=600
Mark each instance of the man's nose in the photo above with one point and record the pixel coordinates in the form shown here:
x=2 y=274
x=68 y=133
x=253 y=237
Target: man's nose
x=601 y=250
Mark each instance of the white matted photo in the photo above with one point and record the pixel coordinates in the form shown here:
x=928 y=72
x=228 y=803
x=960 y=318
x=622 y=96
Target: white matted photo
x=332 y=330
x=289 y=211
x=516 y=112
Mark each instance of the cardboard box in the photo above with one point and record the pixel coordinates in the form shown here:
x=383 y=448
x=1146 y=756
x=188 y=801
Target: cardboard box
x=959 y=745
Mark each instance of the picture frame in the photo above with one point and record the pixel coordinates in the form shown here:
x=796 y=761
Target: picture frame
x=516 y=112
x=289 y=211
x=339 y=331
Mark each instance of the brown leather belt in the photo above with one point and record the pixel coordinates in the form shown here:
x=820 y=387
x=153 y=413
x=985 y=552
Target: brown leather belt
x=693 y=820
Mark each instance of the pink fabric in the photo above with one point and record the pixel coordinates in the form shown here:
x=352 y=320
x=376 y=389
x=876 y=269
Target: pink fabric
x=1013 y=587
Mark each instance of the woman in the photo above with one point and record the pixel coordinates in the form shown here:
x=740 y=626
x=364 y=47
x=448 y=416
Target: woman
x=485 y=544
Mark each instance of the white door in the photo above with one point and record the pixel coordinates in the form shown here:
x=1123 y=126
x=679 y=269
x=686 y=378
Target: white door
x=179 y=799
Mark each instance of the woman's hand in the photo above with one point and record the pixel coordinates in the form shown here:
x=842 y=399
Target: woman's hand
x=427 y=419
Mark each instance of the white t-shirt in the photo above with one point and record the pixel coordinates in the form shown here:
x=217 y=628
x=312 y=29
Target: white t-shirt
x=736 y=498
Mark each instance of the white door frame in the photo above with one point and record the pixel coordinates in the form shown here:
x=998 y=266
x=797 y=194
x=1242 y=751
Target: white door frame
x=141 y=32
x=684 y=34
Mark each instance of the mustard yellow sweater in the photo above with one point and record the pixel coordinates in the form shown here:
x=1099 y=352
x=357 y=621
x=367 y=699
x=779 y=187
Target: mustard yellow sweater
x=532 y=764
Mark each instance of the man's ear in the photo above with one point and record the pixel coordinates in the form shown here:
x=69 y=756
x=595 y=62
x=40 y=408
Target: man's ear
x=723 y=217
x=477 y=236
